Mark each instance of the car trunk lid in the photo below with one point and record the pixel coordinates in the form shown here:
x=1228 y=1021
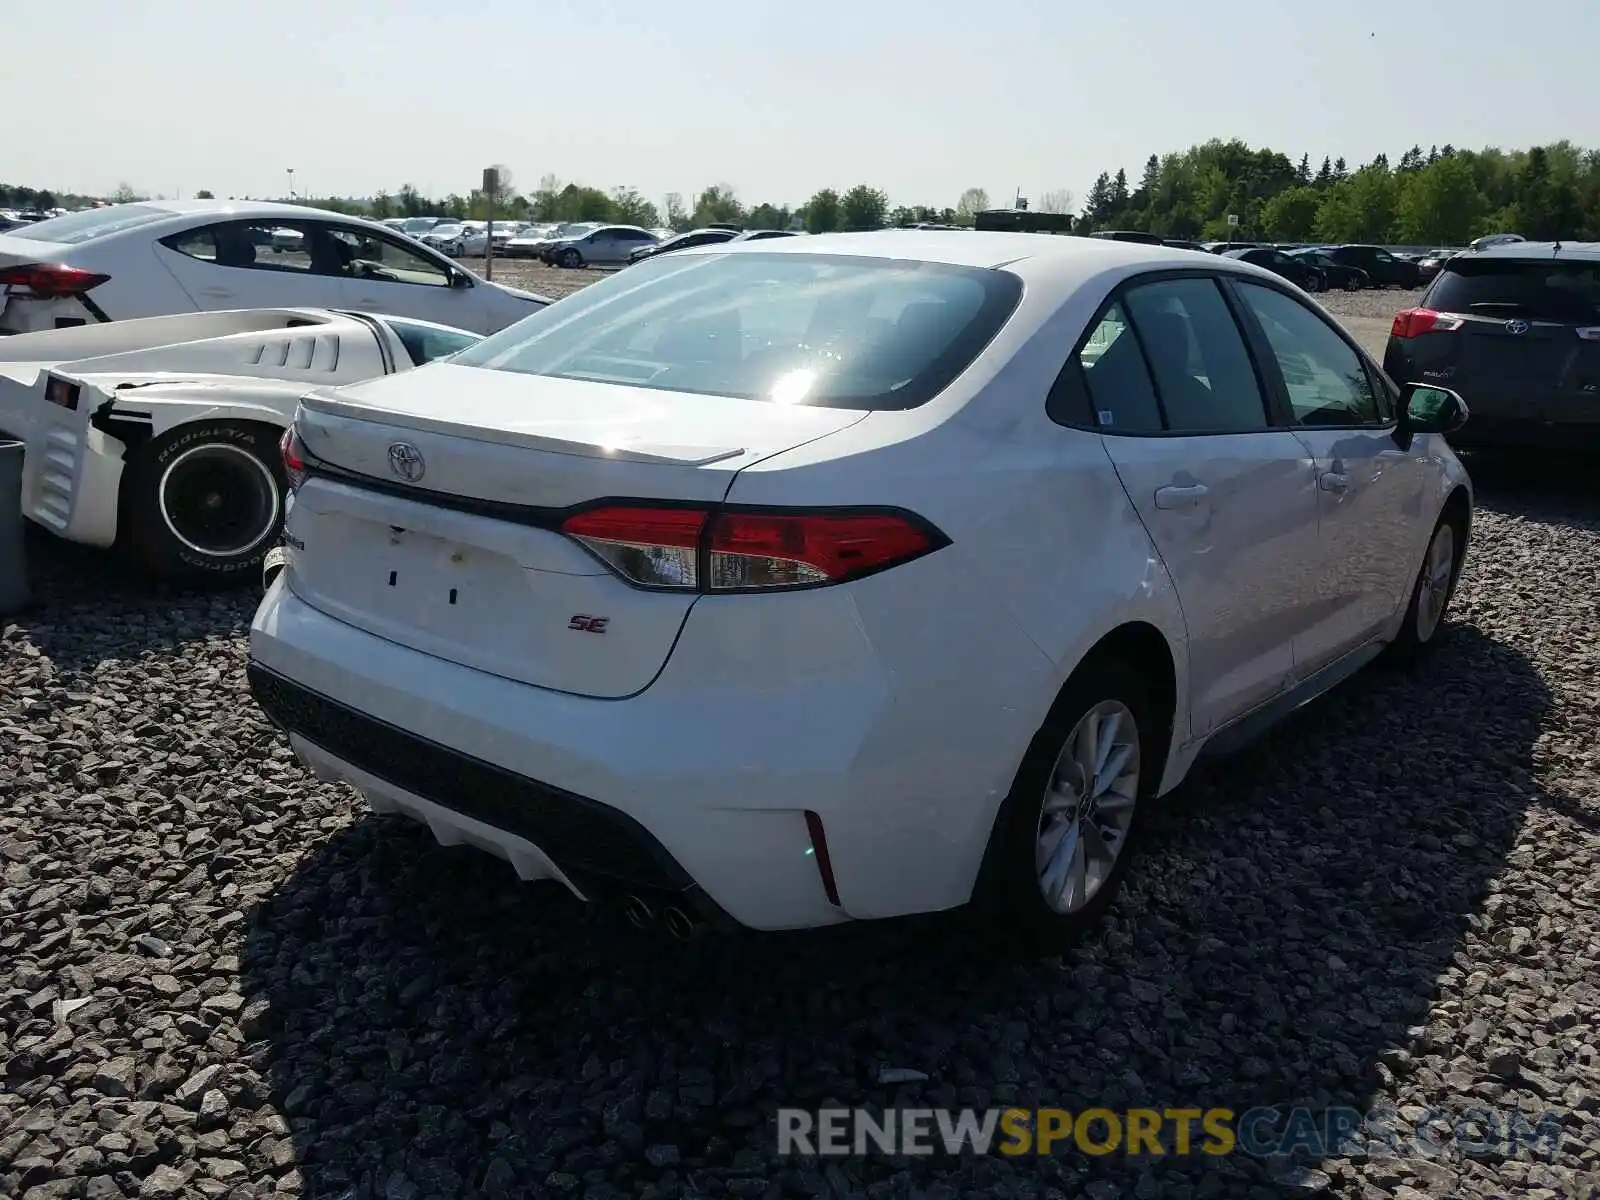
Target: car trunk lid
x=435 y=521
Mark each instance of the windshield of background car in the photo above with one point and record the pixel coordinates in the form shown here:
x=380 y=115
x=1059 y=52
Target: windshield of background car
x=75 y=228
x=832 y=331
x=1542 y=289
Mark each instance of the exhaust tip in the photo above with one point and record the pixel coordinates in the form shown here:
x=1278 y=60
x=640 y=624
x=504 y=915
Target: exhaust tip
x=640 y=915
x=680 y=924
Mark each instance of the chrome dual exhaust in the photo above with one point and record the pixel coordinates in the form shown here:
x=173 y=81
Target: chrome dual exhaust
x=678 y=923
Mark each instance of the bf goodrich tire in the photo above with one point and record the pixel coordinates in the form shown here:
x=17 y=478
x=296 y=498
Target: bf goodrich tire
x=201 y=505
x=1070 y=825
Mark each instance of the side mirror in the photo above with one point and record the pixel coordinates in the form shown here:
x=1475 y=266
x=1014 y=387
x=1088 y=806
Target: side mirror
x=1425 y=408
x=460 y=279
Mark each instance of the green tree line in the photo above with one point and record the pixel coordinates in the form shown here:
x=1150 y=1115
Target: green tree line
x=1441 y=196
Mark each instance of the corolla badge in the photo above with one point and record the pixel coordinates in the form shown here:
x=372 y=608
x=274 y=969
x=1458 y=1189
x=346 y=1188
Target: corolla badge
x=1518 y=326
x=405 y=460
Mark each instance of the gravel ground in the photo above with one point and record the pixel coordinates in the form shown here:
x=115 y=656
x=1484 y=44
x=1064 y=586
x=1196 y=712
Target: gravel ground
x=221 y=978
x=554 y=282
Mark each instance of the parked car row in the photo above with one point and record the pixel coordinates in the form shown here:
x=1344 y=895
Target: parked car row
x=524 y=581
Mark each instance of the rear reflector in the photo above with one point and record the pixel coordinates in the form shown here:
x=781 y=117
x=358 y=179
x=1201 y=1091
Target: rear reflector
x=819 y=851
x=61 y=393
x=690 y=549
x=1414 y=322
x=51 y=281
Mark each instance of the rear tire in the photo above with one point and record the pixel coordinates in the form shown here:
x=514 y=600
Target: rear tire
x=1431 y=592
x=1046 y=878
x=201 y=505
x=1352 y=283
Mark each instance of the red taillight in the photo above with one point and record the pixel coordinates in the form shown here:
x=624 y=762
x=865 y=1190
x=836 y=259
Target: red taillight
x=651 y=547
x=62 y=393
x=1414 y=322
x=51 y=281
x=696 y=550
x=767 y=550
x=294 y=457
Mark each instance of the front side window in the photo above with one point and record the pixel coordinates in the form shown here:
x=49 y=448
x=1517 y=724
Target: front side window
x=1202 y=370
x=830 y=331
x=1328 y=384
x=368 y=256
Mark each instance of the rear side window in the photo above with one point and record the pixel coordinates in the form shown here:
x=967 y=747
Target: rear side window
x=1121 y=395
x=1546 y=291
x=75 y=228
x=1202 y=370
x=833 y=331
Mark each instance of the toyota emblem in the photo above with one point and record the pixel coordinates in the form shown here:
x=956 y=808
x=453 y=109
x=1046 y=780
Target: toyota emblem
x=405 y=460
x=1517 y=327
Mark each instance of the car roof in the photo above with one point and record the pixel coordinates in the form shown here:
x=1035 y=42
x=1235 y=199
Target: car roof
x=1059 y=262
x=1537 y=252
x=974 y=248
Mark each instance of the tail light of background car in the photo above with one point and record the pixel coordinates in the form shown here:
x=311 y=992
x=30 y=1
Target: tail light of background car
x=294 y=458
x=688 y=549
x=62 y=392
x=51 y=281
x=1414 y=322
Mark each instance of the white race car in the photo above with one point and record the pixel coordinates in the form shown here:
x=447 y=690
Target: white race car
x=159 y=436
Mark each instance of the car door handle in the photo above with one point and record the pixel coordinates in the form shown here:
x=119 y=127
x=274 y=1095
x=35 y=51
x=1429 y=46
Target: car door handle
x=1333 y=481
x=1180 y=497
x=218 y=292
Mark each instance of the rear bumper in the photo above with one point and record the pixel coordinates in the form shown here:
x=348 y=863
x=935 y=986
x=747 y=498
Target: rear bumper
x=31 y=314
x=545 y=832
x=698 y=786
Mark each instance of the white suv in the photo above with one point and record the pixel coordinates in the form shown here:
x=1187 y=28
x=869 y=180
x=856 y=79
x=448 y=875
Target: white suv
x=851 y=576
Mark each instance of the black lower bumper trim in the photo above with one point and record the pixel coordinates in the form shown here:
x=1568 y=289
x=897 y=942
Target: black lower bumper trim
x=601 y=849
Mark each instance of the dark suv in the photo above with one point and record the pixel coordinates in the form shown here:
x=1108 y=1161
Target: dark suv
x=1515 y=330
x=1383 y=268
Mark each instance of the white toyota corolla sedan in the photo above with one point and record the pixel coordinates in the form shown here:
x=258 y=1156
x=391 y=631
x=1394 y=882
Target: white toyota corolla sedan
x=851 y=576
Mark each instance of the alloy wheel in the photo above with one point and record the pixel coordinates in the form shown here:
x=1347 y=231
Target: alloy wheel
x=1433 y=587
x=1088 y=807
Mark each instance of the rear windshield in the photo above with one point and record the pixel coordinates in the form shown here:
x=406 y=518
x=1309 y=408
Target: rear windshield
x=90 y=224
x=1549 y=291
x=832 y=331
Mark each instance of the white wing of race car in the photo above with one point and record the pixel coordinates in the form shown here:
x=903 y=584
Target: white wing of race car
x=160 y=435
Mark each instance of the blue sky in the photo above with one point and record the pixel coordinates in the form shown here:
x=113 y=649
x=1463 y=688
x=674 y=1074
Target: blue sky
x=922 y=99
